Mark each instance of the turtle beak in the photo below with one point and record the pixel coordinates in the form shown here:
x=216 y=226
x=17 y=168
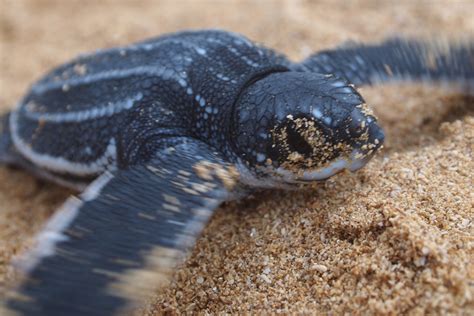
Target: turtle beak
x=364 y=151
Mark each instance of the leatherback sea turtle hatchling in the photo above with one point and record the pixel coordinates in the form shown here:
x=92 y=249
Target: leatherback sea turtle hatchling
x=166 y=129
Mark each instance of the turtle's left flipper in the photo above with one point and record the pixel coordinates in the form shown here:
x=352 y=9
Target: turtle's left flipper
x=396 y=59
x=100 y=254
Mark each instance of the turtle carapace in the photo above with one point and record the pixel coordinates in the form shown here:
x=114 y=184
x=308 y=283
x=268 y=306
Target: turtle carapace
x=157 y=134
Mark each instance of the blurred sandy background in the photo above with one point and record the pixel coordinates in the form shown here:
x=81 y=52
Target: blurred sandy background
x=396 y=237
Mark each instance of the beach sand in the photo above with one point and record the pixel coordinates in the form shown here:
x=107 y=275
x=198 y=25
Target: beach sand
x=395 y=237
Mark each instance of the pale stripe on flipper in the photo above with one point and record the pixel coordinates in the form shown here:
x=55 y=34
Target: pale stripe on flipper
x=119 y=242
x=459 y=85
x=60 y=164
x=138 y=285
x=93 y=191
x=52 y=233
x=89 y=114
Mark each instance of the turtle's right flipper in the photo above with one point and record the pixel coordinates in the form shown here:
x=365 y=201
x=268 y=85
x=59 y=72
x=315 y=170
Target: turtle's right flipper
x=100 y=254
x=397 y=59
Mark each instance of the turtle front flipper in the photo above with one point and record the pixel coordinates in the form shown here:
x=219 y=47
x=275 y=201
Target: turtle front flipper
x=450 y=63
x=104 y=252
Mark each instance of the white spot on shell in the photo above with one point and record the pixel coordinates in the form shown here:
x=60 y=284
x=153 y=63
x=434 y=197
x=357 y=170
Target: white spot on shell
x=201 y=51
x=327 y=120
x=182 y=83
x=317 y=113
x=345 y=90
x=338 y=84
x=222 y=77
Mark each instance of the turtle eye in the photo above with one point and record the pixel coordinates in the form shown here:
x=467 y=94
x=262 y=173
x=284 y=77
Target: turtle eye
x=289 y=140
x=296 y=141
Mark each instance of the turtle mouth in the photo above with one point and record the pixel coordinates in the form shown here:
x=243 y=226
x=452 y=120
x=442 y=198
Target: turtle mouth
x=353 y=162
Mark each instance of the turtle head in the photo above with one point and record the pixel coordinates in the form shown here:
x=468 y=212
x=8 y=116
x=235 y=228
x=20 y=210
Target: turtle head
x=295 y=127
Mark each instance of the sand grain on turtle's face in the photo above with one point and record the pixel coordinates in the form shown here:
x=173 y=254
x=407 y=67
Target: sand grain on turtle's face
x=392 y=238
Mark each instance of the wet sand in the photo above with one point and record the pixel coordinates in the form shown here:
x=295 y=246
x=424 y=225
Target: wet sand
x=395 y=237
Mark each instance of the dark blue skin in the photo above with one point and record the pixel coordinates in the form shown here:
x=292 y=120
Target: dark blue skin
x=170 y=128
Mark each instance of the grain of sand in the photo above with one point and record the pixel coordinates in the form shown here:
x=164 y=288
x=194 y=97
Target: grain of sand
x=396 y=237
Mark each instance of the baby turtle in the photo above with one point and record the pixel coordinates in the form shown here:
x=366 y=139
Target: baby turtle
x=167 y=129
